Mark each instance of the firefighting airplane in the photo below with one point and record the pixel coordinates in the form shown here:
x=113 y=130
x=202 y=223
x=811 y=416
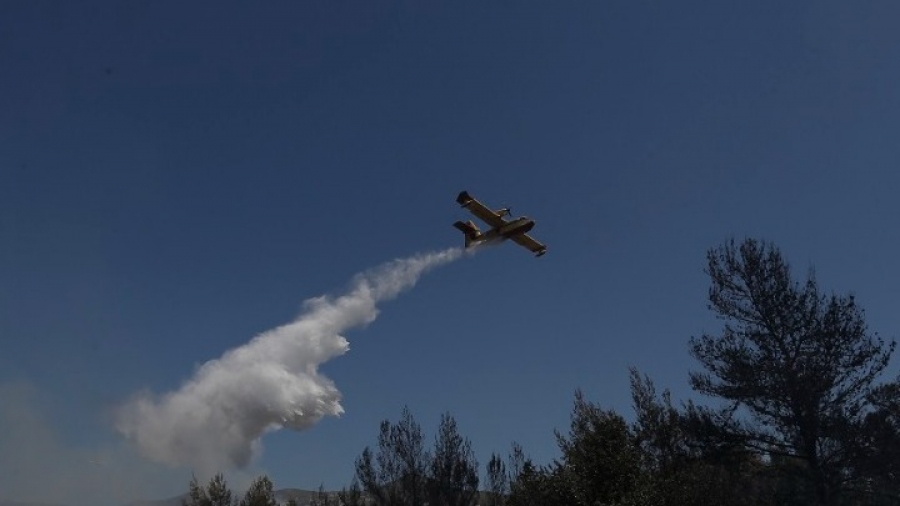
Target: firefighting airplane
x=501 y=229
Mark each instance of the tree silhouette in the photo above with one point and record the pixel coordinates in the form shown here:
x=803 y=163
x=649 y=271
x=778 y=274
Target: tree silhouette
x=600 y=463
x=497 y=481
x=396 y=475
x=260 y=493
x=216 y=493
x=801 y=365
x=453 y=477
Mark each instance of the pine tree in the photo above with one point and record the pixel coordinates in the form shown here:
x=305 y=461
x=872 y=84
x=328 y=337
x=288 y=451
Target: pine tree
x=216 y=493
x=453 y=477
x=599 y=460
x=802 y=365
x=260 y=493
x=352 y=496
x=396 y=475
x=497 y=481
x=322 y=498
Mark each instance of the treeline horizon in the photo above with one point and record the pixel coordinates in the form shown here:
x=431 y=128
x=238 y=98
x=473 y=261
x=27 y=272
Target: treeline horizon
x=803 y=417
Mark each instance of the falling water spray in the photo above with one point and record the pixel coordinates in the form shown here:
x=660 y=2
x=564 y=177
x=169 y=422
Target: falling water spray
x=217 y=418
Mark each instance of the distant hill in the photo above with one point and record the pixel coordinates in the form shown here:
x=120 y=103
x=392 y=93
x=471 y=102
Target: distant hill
x=14 y=503
x=303 y=497
x=172 y=501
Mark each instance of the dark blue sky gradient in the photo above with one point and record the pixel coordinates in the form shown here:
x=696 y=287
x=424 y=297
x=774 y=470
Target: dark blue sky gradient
x=175 y=179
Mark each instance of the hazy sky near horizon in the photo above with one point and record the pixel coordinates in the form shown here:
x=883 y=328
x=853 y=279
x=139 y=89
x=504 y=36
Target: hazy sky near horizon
x=177 y=178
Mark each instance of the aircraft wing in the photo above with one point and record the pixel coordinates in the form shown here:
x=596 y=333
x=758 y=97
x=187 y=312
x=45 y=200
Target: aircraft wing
x=529 y=242
x=483 y=212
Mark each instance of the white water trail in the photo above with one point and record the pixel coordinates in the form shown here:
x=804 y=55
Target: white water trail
x=216 y=420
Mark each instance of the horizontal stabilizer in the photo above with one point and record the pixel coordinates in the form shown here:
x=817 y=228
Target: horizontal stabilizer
x=466 y=228
x=470 y=230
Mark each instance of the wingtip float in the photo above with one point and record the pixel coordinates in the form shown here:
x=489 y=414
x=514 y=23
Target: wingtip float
x=501 y=229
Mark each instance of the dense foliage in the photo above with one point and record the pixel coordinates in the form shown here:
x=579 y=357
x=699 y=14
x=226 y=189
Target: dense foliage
x=804 y=418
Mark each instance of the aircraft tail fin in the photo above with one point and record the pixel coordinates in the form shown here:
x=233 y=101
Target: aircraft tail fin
x=470 y=230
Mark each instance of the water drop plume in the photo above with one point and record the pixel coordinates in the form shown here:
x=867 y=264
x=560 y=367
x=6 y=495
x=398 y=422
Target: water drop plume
x=216 y=419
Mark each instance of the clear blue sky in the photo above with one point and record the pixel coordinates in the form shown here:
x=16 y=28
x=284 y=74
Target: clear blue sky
x=176 y=178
